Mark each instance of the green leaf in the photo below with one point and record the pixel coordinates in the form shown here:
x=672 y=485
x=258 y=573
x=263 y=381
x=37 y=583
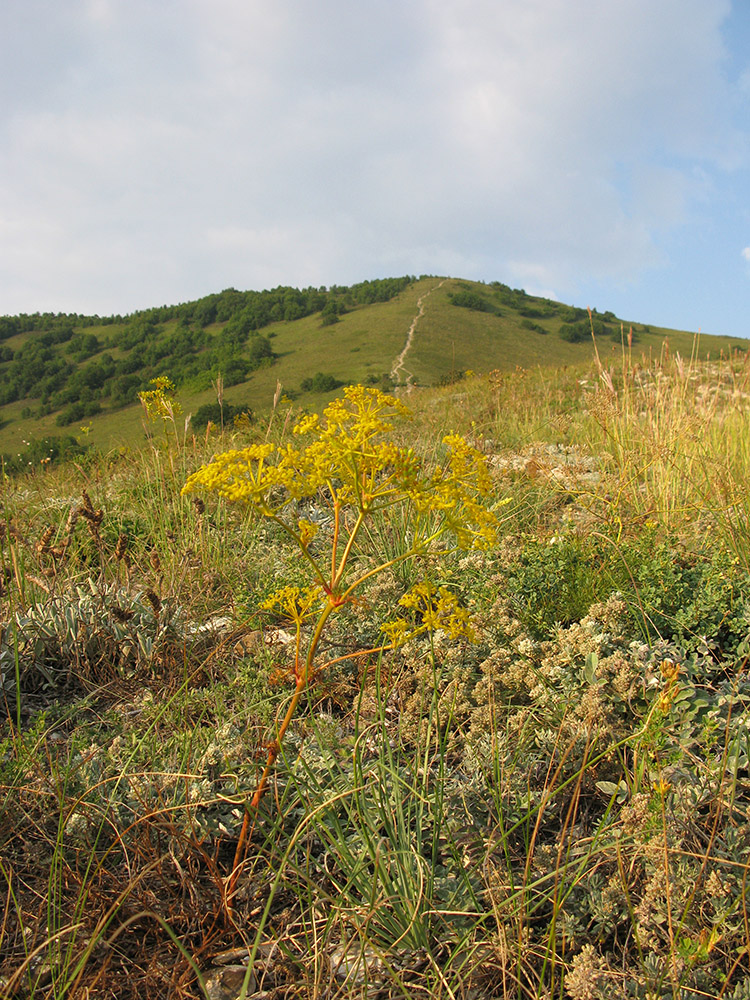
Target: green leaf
x=589 y=670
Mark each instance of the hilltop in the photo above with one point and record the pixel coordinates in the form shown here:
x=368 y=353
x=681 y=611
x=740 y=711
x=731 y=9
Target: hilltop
x=76 y=378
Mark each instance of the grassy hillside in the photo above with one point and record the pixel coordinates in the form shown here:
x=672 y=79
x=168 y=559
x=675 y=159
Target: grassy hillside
x=60 y=374
x=497 y=684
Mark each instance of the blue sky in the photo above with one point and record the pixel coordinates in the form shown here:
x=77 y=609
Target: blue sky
x=596 y=151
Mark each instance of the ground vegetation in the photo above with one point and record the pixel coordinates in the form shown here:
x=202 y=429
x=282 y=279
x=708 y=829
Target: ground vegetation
x=435 y=695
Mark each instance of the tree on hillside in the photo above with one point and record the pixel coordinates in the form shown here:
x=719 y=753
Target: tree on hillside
x=330 y=313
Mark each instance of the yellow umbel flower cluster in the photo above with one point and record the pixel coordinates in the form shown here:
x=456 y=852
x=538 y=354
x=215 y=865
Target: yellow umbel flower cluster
x=434 y=610
x=295 y=603
x=159 y=402
x=353 y=463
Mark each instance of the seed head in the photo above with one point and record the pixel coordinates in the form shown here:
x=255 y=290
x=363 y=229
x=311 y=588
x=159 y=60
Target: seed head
x=153 y=599
x=42 y=546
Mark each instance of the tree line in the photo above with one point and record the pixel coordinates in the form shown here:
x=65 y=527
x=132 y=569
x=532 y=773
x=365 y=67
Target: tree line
x=69 y=368
x=260 y=308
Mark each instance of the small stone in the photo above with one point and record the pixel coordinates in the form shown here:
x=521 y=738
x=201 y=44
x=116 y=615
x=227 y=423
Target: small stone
x=232 y=956
x=249 y=643
x=225 y=983
x=350 y=961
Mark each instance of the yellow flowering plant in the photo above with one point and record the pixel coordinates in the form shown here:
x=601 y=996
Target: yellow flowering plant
x=434 y=609
x=347 y=461
x=160 y=403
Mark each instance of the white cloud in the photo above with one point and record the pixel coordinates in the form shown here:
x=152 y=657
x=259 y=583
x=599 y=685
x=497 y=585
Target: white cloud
x=169 y=150
x=746 y=254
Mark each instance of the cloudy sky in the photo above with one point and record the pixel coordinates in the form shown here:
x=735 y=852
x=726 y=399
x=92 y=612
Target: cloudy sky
x=596 y=151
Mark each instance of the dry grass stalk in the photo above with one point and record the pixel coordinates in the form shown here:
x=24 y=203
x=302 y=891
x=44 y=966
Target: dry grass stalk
x=42 y=584
x=73 y=516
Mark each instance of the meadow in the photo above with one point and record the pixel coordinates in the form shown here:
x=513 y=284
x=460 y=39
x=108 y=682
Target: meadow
x=68 y=381
x=449 y=703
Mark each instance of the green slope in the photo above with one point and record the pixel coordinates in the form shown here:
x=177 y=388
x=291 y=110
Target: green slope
x=455 y=326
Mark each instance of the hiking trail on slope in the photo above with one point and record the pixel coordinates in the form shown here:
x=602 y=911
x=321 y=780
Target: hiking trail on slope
x=398 y=364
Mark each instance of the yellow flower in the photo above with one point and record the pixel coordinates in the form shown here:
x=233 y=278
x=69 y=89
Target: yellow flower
x=307 y=531
x=159 y=402
x=434 y=611
x=669 y=669
x=397 y=632
x=295 y=603
x=662 y=786
x=350 y=457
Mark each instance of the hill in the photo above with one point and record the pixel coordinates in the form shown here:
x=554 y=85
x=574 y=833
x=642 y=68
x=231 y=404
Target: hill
x=77 y=378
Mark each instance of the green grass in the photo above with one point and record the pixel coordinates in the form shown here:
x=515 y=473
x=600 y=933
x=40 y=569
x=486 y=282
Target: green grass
x=559 y=809
x=363 y=346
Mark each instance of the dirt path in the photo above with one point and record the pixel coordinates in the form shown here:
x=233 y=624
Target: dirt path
x=398 y=364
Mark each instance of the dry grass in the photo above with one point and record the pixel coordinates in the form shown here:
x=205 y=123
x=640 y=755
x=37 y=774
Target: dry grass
x=558 y=810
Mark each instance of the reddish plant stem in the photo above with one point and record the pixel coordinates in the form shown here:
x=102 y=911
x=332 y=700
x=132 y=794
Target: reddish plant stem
x=251 y=808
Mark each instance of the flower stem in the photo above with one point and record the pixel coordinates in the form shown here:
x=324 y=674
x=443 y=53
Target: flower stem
x=273 y=751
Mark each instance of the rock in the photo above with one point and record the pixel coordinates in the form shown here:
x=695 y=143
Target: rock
x=254 y=641
x=232 y=956
x=249 y=643
x=349 y=960
x=226 y=982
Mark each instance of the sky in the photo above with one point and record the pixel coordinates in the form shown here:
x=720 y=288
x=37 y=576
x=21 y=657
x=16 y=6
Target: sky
x=592 y=151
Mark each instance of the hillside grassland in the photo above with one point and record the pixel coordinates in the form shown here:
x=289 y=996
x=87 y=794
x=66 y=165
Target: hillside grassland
x=465 y=339
x=497 y=684
x=77 y=378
